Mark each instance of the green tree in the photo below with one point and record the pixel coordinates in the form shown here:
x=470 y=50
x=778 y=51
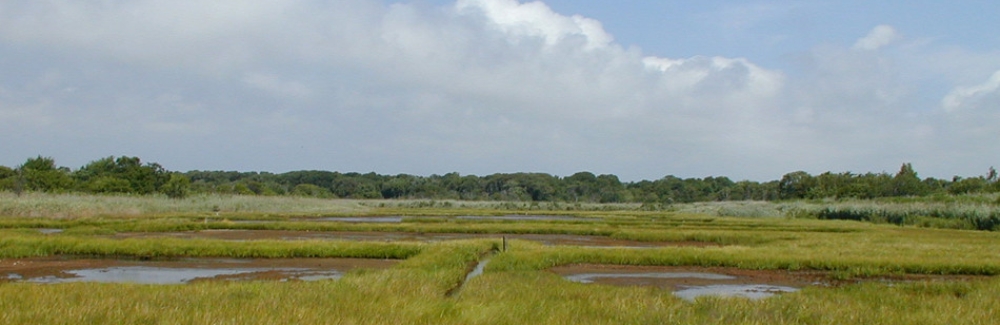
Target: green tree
x=968 y=185
x=796 y=185
x=106 y=175
x=177 y=187
x=581 y=186
x=41 y=174
x=107 y=184
x=311 y=190
x=8 y=178
x=906 y=182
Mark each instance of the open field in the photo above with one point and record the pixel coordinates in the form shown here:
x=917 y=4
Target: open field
x=843 y=272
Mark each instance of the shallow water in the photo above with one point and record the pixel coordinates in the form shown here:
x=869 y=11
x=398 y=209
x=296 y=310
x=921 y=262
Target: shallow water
x=751 y=291
x=167 y=275
x=50 y=231
x=688 y=285
x=476 y=271
x=140 y=274
x=590 y=277
x=544 y=239
x=60 y=270
x=394 y=219
x=522 y=218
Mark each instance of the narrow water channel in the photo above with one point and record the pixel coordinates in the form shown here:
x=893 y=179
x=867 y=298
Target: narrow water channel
x=476 y=271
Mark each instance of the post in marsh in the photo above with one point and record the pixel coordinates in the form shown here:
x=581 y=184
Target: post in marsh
x=504 y=238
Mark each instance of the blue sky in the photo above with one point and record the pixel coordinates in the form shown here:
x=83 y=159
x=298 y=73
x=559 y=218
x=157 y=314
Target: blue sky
x=640 y=89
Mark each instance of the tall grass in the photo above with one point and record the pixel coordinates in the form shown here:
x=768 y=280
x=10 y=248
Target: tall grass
x=515 y=288
x=978 y=217
x=48 y=205
x=412 y=292
x=881 y=251
x=19 y=245
x=514 y=298
x=494 y=298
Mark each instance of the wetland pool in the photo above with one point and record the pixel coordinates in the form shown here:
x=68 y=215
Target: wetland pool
x=390 y=236
x=179 y=271
x=689 y=283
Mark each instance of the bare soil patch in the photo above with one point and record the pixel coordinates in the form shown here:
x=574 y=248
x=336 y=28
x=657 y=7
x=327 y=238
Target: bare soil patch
x=632 y=276
x=545 y=239
x=728 y=276
x=62 y=267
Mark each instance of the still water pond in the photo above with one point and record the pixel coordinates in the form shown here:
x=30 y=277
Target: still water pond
x=60 y=270
x=690 y=283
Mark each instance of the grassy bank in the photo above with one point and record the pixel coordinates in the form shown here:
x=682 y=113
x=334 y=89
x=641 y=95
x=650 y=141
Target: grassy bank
x=516 y=287
x=415 y=292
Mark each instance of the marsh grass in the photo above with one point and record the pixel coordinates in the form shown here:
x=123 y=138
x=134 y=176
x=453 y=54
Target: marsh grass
x=411 y=292
x=14 y=244
x=61 y=206
x=883 y=251
x=516 y=287
x=392 y=297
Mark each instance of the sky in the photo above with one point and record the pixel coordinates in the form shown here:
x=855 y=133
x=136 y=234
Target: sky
x=750 y=90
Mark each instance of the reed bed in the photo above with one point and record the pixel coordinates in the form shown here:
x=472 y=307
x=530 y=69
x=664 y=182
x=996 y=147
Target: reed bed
x=61 y=206
x=406 y=295
x=516 y=287
x=882 y=251
x=513 y=298
x=20 y=245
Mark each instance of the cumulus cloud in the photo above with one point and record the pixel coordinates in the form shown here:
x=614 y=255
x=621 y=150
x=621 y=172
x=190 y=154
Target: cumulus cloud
x=537 y=20
x=878 y=37
x=967 y=96
x=478 y=86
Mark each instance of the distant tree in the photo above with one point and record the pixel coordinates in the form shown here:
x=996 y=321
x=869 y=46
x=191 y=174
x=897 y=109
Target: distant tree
x=310 y=190
x=470 y=187
x=41 y=174
x=121 y=175
x=357 y=186
x=581 y=186
x=610 y=189
x=967 y=185
x=398 y=186
x=177 y=187
x=9 y=179
x=107 y=184
x=795 y=185
x=907 y=183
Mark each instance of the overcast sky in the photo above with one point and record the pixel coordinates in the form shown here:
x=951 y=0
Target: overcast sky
x=639 y=89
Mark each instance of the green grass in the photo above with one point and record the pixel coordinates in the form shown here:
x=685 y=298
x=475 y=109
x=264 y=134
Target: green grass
x=63 y=206
x=20 y=244
x=516 y=287
x=413 y=294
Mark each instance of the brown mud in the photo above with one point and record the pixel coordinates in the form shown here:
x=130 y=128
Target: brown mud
x=62 y=267
x=545 y=239
x=690 y=276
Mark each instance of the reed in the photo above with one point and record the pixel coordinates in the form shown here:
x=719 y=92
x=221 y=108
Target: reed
x=494 y=298
x=516 y=287
x=21 y=244
x=75 y=205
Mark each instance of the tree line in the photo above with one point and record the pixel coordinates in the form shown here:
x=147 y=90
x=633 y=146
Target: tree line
x=130 y=175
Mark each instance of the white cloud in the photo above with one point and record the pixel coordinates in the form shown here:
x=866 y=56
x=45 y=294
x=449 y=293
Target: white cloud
x=878 y=37
x=537 y=20
x=962 y=97
x=482 y=86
